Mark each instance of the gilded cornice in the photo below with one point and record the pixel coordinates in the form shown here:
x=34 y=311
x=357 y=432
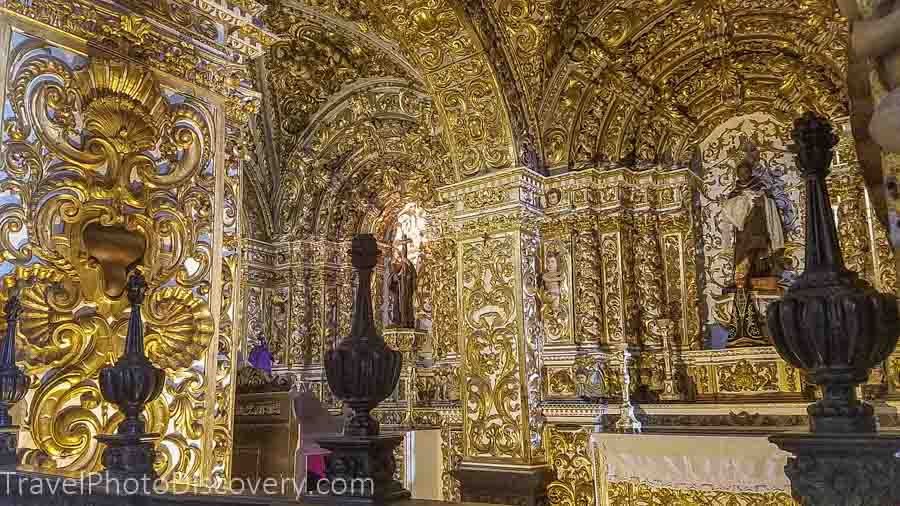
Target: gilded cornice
x=497 y=200
x=156 y=37
x=507 y=190
x=660 y=188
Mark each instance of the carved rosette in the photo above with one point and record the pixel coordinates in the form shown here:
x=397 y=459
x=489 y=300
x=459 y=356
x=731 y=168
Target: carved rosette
x=830 y=322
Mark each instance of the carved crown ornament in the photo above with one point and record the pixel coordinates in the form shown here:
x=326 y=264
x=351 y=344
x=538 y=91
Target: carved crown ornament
x=108 y=173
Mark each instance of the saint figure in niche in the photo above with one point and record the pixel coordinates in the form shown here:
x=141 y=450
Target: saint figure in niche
x=758 y=231
x=553 y=278
x=260 y=356
x=402 y=288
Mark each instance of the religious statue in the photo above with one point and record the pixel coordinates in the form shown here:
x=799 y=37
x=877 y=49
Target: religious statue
x=876 y=35
x=875 y=38
x=260 y=356
x=553 y=278
x=402 y=289
x=758 y=231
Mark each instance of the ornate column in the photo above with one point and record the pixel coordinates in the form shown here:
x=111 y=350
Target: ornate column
x=836 y=327
x=588 y=285
x=307 y=304
x=649 y=279
x=442 y=273
x=498 y=241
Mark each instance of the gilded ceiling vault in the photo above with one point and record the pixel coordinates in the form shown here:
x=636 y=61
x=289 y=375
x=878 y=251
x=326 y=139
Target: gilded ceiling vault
x=568 y=163
x=547 y=84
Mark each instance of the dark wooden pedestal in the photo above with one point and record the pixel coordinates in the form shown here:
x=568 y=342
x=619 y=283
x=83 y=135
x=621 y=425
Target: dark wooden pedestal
x=513 y=485
x=841 y=469
x=366 y=461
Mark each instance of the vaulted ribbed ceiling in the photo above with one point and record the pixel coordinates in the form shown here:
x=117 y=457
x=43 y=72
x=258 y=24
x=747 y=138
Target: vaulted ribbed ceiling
x=374 y=103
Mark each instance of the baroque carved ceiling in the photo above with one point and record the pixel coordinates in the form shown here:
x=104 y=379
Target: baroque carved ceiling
x=370 y=103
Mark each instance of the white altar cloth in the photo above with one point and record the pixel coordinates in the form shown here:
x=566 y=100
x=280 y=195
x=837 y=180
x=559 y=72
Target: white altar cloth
x=700 y=462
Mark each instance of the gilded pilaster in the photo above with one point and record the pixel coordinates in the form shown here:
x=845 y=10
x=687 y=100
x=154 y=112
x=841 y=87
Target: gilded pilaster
x=614 y=236
x=225 y=351
x=588 y=282
x=170 y=175
x=650 y=280
x=499 y=245
x=442 y=257
x=451 y=456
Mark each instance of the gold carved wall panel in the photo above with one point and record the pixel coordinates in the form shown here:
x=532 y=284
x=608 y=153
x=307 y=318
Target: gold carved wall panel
x=102 y=159
x=570 y=457
x=494 y=408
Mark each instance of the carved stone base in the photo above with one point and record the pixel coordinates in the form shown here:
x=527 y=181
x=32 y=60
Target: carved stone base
x=842 y=469
x=9 y=445
x=129 y=455
x=360 y=470
x=509 y=485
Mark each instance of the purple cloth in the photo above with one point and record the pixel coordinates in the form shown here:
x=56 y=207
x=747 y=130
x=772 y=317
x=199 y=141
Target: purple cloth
x=260 y=357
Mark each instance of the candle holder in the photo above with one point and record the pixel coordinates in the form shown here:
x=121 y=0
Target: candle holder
x=131 y=384
x=408 y=342
x=362 y=371
x=14 y=384
x=671 y=391
x=627 y=421
x=836 y=327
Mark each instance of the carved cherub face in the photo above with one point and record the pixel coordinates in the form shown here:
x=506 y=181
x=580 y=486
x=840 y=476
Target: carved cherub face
x=552 y=263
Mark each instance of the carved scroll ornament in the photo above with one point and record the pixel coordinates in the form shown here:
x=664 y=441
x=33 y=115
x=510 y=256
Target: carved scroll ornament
x=109 y=173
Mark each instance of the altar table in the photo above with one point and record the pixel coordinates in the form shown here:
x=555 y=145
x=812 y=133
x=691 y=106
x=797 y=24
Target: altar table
x=689 y=469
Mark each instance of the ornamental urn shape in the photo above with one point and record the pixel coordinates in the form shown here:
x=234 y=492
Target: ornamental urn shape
x=362 y=371
x=133 y=382
x=14 y=383
x=830 y=323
